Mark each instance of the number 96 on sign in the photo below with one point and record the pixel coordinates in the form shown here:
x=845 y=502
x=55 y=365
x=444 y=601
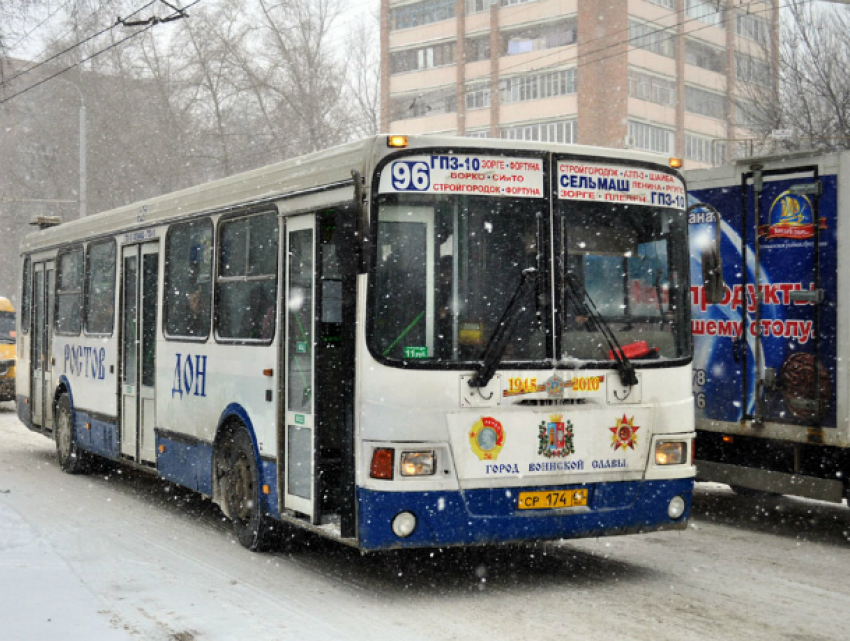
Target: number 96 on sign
x=411 y=176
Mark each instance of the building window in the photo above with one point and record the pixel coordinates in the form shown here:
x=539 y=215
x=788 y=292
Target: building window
x=421 y=13
x=478 y=95
x=704 y=56
x=439 y=55
x=751 y=69
x=705 y=103
x=752 y=28
x=433 y=103
x=644 y=86
x=69 y=292
x=650 y=138
x=539 y=37
x=746 y=115
x=668 y=4
x=562 y=131
x=478 y=48
x=188 y=279
x=478 y=133
x=652 y=38
x=705 y=150
x=534 y=87
x=245 y=306
x=477 y=6
x=100 y=288
x=707 y=11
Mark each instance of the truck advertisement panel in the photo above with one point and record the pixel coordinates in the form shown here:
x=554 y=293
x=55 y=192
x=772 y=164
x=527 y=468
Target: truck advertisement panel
x=768 y=349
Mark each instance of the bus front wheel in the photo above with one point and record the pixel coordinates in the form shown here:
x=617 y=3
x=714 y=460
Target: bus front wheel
x=241 y=490
x=71 y=459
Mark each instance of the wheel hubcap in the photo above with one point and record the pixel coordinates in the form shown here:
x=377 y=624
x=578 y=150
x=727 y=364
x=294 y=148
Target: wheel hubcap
x=63 y=434
x=242 y=489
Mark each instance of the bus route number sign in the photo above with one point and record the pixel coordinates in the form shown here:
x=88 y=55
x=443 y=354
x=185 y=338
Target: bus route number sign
x=467 y=175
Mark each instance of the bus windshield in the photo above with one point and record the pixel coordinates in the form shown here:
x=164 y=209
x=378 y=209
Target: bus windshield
x=607 y=255
x=446 y=269
x=632 y=262
x=7 y=327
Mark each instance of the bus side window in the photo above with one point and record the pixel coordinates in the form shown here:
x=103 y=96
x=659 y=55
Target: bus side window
x=100 y=288
x=188 y=280
x=25 y=297
x=331 y=301
x=69 y=293
x=247 y=278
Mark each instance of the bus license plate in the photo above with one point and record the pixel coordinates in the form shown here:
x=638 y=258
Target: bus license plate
x=552 y=499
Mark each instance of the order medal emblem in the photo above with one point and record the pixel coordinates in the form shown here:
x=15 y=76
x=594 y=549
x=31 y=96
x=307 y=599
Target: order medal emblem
x=487 y=437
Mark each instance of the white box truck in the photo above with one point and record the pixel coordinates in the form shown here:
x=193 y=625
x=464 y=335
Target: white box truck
x=771 y=374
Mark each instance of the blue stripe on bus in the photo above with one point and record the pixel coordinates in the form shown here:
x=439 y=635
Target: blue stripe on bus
x=100 y=438
x=269 y=471
x=187 y=464
x=25 y=411
x=445 y=518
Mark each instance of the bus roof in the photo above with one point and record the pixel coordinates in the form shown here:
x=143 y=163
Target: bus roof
x=313 y=171
x=6 y=305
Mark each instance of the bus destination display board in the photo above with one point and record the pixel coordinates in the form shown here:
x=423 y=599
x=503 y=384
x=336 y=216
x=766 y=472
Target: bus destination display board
x=619 y=184
x=464 y=174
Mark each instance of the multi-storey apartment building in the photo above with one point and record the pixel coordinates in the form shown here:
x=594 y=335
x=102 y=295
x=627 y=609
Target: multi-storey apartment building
x=675 y=77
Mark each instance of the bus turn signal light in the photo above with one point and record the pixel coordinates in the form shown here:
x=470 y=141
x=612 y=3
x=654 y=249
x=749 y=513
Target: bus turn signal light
x=397 y=141
x=676 y=163
x=382 y=463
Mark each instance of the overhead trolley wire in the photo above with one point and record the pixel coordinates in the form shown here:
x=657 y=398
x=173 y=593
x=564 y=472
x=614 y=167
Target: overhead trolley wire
x=94 y=55
x=36 y=27
x=71 y=48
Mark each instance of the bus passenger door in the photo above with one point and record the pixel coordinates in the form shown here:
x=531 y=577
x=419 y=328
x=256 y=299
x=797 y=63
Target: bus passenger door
x=139 y=314
x=43 y=283
x=299 y=436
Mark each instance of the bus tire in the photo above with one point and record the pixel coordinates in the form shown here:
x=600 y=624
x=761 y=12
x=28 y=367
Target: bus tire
x=72 y=460
x=241 y=491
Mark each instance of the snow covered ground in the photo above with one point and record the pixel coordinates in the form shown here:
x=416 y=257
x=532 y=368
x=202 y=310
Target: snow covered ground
x=125 y=556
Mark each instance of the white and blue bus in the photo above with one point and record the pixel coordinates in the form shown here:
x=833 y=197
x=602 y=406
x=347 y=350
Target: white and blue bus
x=400 y=342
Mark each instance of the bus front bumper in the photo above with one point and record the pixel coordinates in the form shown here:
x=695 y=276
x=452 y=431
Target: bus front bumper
x=491 y=516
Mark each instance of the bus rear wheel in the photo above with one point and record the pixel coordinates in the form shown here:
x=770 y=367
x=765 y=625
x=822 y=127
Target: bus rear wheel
x=71 y=459
x=241 y=491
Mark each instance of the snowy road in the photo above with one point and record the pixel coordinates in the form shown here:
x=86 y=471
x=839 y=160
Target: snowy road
x=125 y=556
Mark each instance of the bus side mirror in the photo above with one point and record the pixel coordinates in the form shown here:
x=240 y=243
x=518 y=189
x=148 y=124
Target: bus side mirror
x=712 y=276
x=714 y=289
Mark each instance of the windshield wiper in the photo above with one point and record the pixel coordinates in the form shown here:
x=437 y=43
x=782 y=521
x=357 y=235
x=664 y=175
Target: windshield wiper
x=585 y=305
x=499 y=339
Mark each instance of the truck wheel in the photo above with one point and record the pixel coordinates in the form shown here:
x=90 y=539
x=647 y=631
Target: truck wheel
x=71 y=459
x=241 y=491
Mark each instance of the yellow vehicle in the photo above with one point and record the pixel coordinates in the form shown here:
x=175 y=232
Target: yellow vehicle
x=7 y=350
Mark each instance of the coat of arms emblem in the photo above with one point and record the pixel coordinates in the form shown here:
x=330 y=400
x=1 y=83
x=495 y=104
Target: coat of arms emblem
x=556 y=438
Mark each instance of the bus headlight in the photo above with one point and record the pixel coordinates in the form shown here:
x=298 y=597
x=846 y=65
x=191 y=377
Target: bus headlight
x=403 y=524
x=671 y=452
x=676 y=508
x=417 y=463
